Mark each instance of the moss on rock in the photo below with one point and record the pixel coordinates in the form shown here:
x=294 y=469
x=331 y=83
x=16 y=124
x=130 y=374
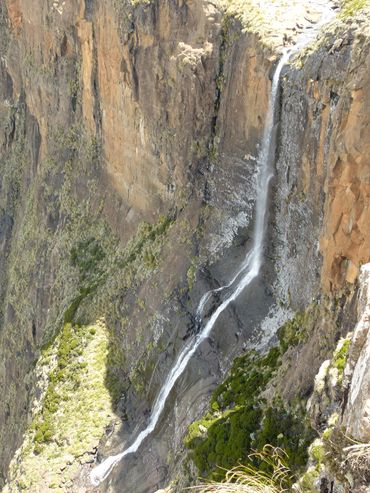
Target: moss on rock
x=240 y=421
x=351 y=7
x=294 y=331
x=341 y=353
x=72 y=414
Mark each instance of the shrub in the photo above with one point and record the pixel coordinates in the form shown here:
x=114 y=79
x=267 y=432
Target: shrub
x=350 y=7
x=239 y=421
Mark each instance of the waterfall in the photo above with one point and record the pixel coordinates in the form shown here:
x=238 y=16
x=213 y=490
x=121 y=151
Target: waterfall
x=247 y=272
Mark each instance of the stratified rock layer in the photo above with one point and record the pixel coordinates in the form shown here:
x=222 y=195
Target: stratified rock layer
x=114 y=113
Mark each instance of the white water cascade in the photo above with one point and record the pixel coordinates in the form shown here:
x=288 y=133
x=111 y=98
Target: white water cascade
x=247 y=272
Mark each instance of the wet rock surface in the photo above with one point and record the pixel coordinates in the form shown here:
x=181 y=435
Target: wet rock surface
x=131 y=112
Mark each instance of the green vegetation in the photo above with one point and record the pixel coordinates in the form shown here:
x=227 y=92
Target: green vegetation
x=350 y=7
x=66 y=376
x=72 y=414
x=115 y=382
x=317 y=451
x=240 y=420
x=250 y=479
x=249 y=374
x=341 y=353
x=287 y=429
x=192 y=271
x=294 y=331
x=141 y=246
x=86 y=255
x=223 y=437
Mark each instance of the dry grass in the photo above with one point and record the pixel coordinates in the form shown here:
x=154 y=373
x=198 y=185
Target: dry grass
x=358 y=459
x=249 y=479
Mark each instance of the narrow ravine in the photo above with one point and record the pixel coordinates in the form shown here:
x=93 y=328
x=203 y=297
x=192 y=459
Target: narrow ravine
x=248 y=271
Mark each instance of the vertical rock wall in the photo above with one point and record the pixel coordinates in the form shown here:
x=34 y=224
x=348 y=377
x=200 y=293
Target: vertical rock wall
x=112 y=114
x=101 y=109
x=323 y=166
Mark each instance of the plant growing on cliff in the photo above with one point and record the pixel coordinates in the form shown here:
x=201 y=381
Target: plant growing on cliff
x=223 y=437
x=250 y=479
x=350 y=7
x=71 y=415
x=341 y=353
x=239 y=419
x=66 y=375
x=357 y=457
x=86 y=256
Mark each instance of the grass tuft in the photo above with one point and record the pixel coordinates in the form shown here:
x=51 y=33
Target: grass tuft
x=351 y=7
x=249 y=479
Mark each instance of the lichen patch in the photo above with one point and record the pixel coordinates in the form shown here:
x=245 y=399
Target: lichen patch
x=72 y=414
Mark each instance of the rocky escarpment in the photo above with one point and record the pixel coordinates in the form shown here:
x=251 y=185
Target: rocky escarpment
x=339 y=458
x=116 y=113
x=314 y=139
x=77 y=183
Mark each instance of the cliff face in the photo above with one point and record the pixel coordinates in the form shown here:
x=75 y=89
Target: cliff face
x=114 y=113
x=108 y=119
x=323 y=164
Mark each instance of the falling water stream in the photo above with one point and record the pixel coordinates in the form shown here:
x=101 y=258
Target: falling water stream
x=247 y=272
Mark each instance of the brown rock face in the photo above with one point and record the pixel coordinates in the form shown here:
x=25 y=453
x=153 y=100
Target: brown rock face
x=115 y=112
x=101 y=110
x=139 y=86
x=111 y=114
x=324 y=149
x=150 y=88
x=15 y=14
x=346 y=235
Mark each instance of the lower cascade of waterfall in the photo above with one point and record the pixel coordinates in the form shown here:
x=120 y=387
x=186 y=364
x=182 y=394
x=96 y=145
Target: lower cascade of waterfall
x=247 y=272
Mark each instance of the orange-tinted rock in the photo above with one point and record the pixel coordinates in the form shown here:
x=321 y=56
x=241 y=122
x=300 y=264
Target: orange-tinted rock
x=346 y=229
x=15 y=13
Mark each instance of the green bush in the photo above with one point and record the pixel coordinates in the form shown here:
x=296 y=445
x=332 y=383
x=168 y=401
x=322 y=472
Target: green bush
x=350 y=7
x=340 y=356
x=288 y=430
x=235 y=416
x=86 y=255
x=239 y=421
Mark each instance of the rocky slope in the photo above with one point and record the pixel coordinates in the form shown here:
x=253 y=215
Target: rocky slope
x=129 y=134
